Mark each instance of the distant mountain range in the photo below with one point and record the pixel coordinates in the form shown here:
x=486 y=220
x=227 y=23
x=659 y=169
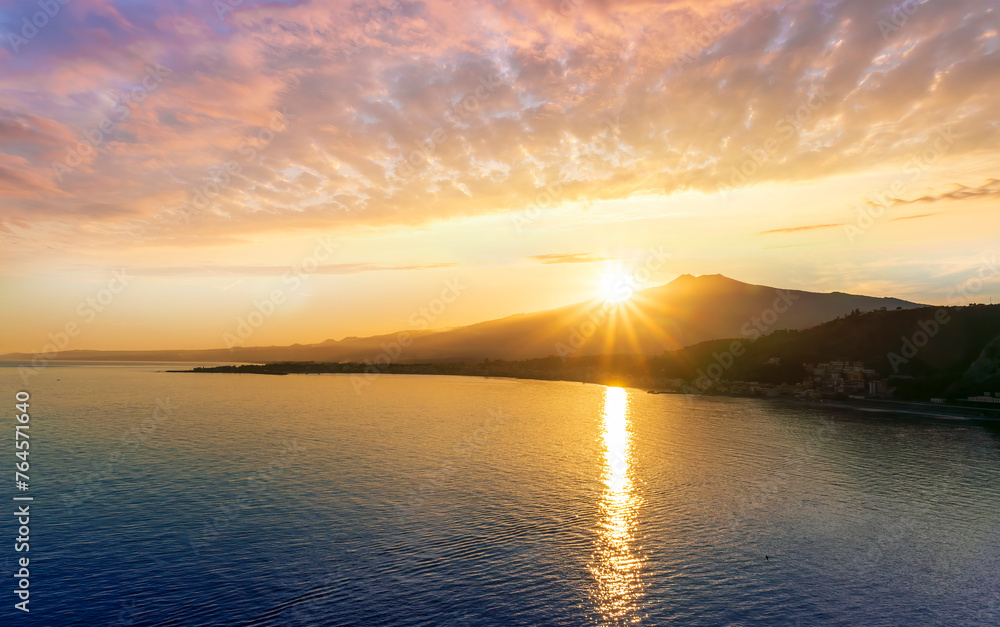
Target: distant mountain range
x=923 y=353
x=683 y=312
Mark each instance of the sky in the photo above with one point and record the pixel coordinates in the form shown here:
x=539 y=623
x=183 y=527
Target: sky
x=169 y=168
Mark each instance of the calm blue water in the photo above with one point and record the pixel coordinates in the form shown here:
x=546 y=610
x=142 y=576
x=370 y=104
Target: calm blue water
x=258 y=500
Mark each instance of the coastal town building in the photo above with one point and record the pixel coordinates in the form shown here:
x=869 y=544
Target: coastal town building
x=985 y=398
x=844 y=378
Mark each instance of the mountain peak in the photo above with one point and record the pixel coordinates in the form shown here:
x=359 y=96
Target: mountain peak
x=690 y=279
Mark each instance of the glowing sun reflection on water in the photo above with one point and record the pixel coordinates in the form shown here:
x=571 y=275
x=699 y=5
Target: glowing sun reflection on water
x=615 y=564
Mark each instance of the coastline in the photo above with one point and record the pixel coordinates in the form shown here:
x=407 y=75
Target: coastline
x=942 y=411
x=913 y=408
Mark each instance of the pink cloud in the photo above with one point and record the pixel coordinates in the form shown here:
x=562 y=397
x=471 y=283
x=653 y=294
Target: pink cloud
x=434 y=110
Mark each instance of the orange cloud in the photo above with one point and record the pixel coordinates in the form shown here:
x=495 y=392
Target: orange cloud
x=436 y=110
x=795 y=229
x=570 y=258
x=964 y=192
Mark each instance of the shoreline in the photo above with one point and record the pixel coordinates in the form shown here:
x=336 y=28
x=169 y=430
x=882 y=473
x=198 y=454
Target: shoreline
x=911 y=408
x=942 y=411
x=877 y=406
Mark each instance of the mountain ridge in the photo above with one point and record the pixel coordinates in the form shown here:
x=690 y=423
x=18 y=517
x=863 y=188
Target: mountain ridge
x=683 y=312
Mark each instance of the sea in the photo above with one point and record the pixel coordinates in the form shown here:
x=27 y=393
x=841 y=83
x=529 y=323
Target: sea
x=164 y=498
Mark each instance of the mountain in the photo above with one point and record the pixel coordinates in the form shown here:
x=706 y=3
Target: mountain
x=685 y=311
x=949 y=352
x=923 y=353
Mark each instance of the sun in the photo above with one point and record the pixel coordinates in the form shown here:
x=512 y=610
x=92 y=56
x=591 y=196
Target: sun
x=616 y=285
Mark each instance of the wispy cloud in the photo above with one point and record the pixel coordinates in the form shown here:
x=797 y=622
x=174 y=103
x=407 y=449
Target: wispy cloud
x=796 y=229
x=462 y=108
x=338 y=268
x=923 y=215
x=571 y=258
x=964 y=192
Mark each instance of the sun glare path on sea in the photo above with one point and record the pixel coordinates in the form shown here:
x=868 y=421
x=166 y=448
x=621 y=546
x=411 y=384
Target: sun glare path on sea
x=615 y=565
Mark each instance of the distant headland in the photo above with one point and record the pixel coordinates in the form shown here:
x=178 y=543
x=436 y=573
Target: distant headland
x=947 y=355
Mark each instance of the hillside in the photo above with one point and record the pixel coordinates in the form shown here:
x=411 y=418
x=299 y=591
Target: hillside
x=958 y=358
x=685 y=311
x=956 y=361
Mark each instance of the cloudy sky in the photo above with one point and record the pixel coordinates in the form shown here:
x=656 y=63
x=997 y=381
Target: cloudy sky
x=350 y=159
